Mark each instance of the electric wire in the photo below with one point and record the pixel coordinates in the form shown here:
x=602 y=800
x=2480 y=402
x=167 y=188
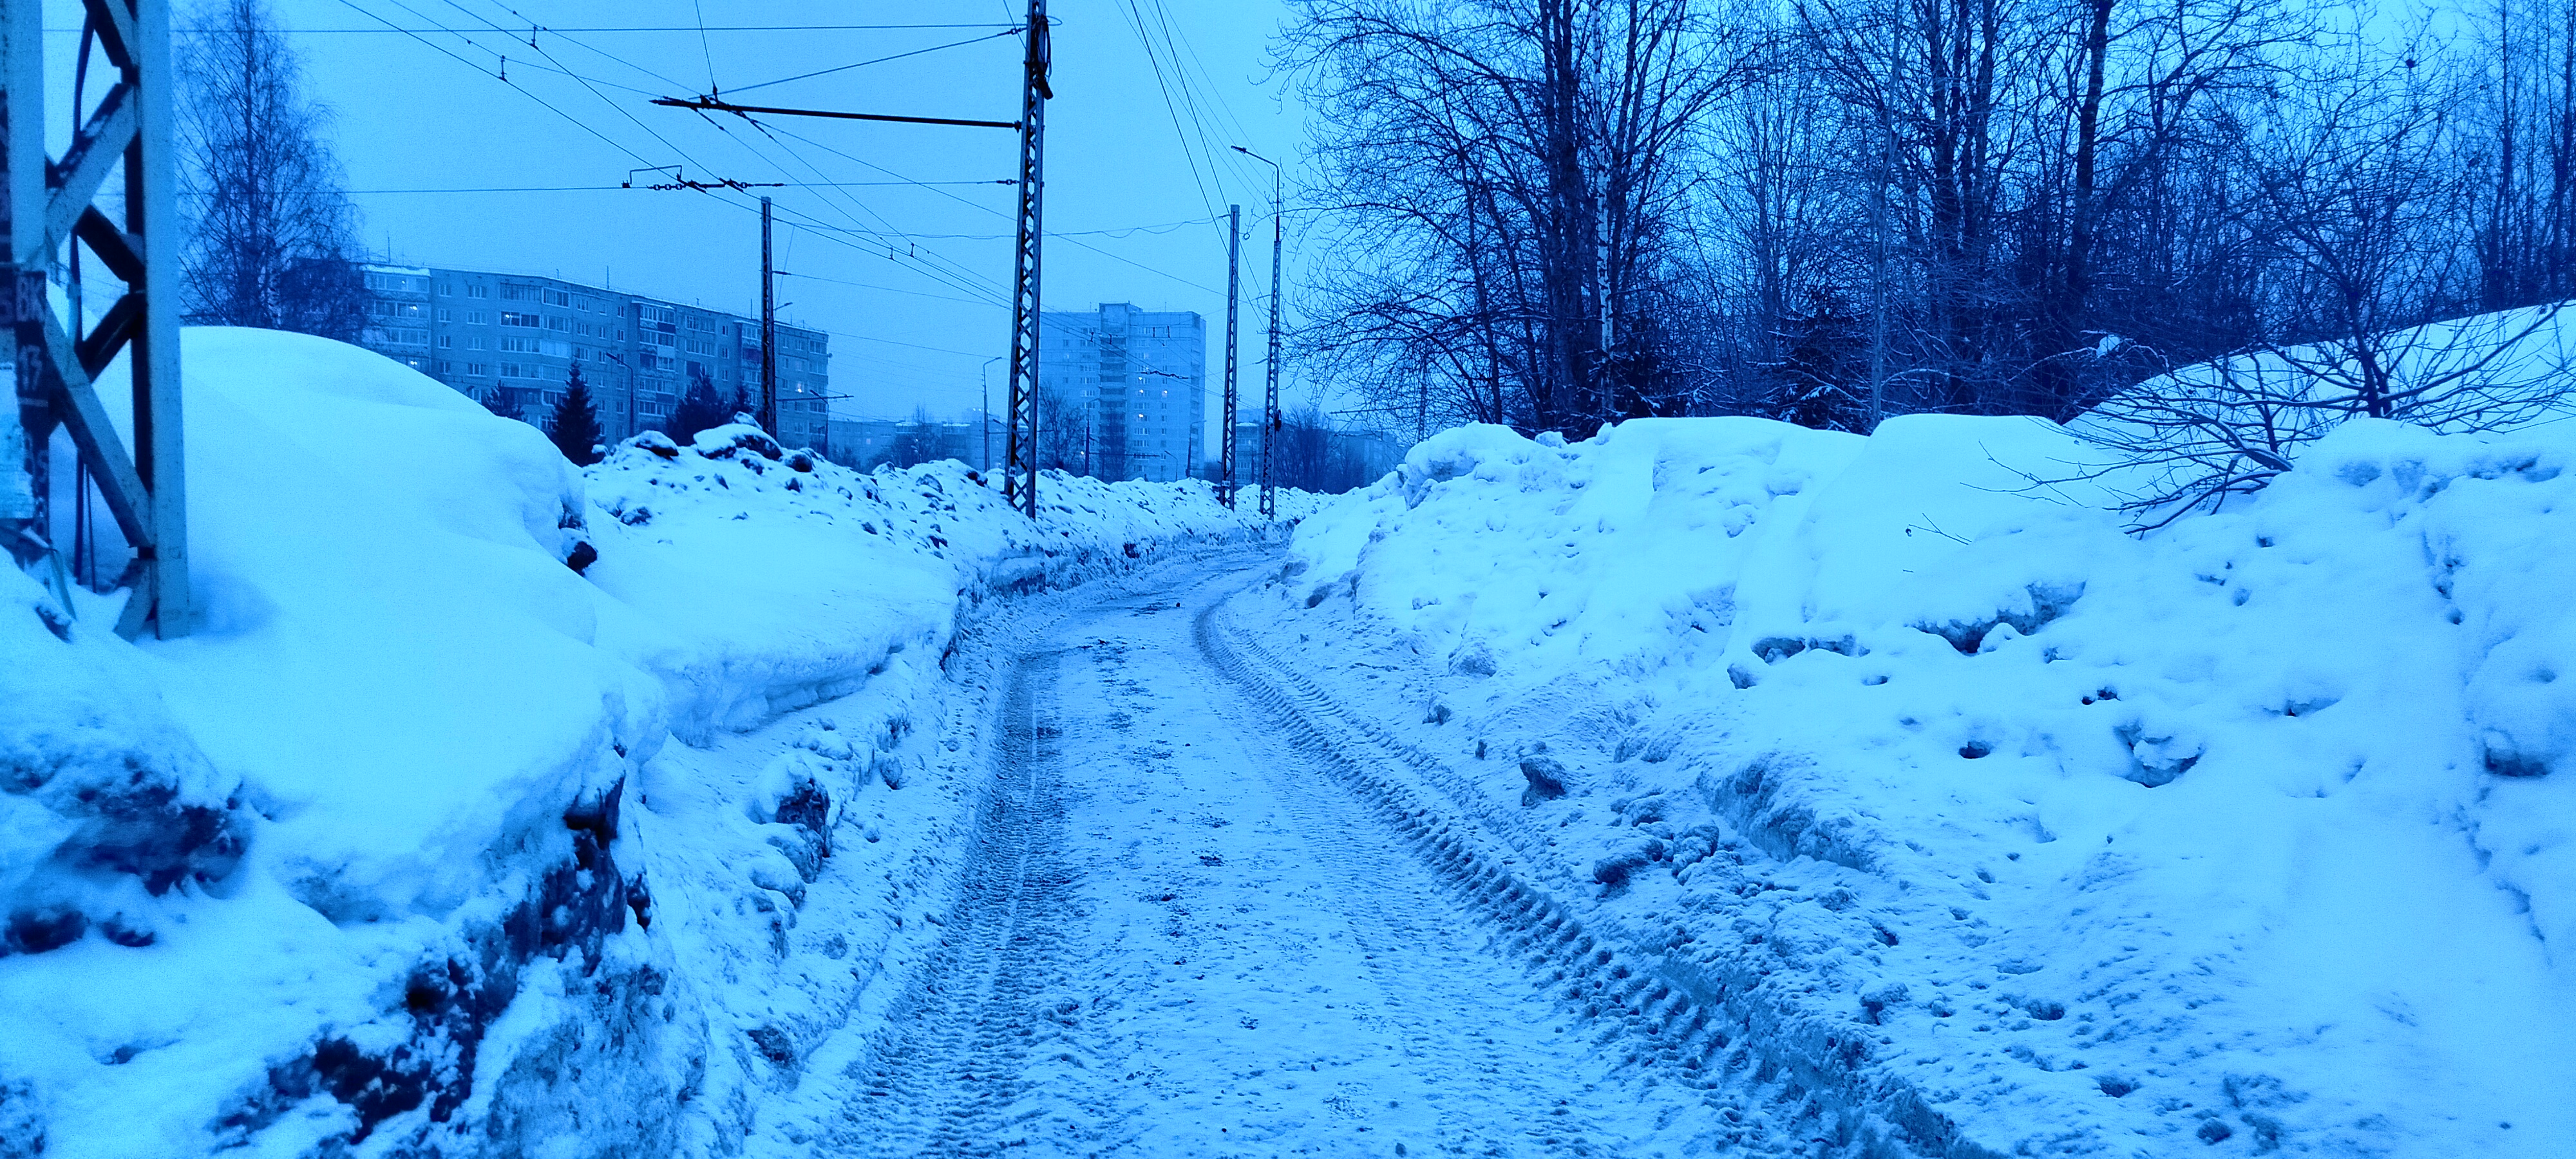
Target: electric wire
x=826 y=231
x=550 y=106
x=879 y=60
x=949 y=276
x=946 y=271
x=617 y=28
x=887 y=289
x=999 y=213
x=938 y=266
x=616 y=188
x=1136 y=20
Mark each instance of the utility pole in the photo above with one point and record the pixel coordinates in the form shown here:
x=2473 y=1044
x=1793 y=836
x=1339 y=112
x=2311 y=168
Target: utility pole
x=768 y=331
x=1020 y=479
x=1022 y=446
x=1270 y=393
x=1270 y=363
x=1233 y=291
x=51 y=360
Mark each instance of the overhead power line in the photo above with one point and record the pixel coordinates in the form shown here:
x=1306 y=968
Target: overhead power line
x=542 y=28
x=1197 y=285
x=879 y=60
x=614 y=188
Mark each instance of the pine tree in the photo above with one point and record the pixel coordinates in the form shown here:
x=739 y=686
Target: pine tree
x=498 y=402
x=742 y=403
x=574 y=426
x=700 y=407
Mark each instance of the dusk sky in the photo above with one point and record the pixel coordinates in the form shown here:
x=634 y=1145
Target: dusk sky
x=910 y=279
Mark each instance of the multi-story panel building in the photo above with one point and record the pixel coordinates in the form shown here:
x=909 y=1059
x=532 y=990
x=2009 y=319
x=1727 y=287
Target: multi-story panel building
x=398 y=314
x=1140 y=379
x=511 y=341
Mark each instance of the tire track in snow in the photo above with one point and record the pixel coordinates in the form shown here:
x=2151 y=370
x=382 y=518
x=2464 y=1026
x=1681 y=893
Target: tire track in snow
x=1462 y=958
x=953 y=1067
x=1658 y=1027
x=1416 y=956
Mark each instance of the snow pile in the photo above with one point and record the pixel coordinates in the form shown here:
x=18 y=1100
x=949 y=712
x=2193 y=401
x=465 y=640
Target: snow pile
x=354 y=864
x=2256 y=832
x=773 y=578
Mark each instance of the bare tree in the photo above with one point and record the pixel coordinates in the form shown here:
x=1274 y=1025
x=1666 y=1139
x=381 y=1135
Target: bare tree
x=1065 y=429
x=274 y=235
x=1510 y=175
x=2361 y=203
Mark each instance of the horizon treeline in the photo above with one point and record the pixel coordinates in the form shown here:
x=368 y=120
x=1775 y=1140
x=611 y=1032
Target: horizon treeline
x=1556 y=213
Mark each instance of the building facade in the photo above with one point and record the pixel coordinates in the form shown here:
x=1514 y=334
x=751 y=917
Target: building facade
x=1139 y=378
x=866 y=443
x=511 y=341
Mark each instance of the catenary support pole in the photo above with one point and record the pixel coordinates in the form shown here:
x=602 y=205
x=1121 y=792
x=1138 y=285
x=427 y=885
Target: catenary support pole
x=768 y=330
x=1020 y=477
x=52 y=361
x=1233 y=293
x=1270 y=365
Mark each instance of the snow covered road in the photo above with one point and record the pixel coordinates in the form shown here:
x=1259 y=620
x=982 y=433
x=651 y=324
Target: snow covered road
x=1179 y=931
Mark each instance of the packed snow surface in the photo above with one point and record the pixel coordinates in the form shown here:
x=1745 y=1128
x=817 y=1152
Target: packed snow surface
x=354 y=863
x=2254 y=833
x=1710 y=786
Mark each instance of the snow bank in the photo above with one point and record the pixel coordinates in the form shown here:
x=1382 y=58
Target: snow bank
x=2257 y=831
x=343 y=866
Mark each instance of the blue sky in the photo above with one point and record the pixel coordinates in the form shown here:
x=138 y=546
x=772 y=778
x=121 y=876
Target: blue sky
x=910 y=279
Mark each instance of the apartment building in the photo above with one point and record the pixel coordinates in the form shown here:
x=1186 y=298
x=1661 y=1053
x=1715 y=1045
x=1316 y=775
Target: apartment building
x=1140 y=379
x=511 y=341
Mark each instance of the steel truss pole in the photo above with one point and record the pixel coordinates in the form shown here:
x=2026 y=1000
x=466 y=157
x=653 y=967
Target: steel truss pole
x=1233 y=283
x=1270 y=364
x=1270 y=394
x=48 y=203
x=1020 y=476
x=768 y=332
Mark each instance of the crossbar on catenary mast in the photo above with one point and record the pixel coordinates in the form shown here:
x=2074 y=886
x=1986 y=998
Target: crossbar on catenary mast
x=712 y=105
x=1020 y=476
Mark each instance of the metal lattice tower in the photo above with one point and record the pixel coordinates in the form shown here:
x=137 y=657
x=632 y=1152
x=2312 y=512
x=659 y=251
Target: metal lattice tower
x=1020 y=472
x=1270 y=364
x=769 y=337
x=48 y=205
x=1233 y=287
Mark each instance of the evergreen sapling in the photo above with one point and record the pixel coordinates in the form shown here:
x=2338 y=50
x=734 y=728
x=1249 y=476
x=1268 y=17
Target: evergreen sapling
x=574 y=426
